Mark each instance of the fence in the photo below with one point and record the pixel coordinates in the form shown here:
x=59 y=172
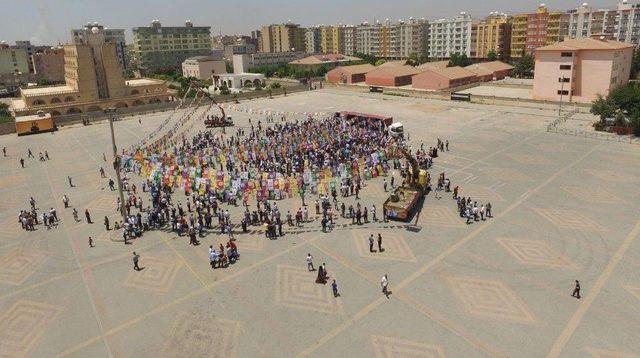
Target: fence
x=595 y=135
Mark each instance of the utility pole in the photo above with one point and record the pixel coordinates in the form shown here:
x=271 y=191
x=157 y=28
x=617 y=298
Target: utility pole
x=112 y=112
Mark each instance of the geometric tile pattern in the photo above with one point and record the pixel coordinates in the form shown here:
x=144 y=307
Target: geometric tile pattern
x=633 y=290
x=505 y=174
x=18 y=265
x=438 y=215
x=593 y=195
x=11 y=228
x=103 y=202
x=531 y=159
x=296 y=287
x=202 y=336
x=610 y=175
x=603 y=353
x=531 y=252
x=490 y=299
x=250 y=242
x=23 y=324
x=158 y=275
x=569 y=219
x=394 y=246
x=479 y=192
x=390 y=347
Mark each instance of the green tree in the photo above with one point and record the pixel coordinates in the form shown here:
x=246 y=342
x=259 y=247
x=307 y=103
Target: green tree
x=275 y=85
x=229 y=66
x=635 y=64
x=459 y=60
x=5 y=114
x=380 y=62
x=224 y=90
x=524 y=66
x=602 y=107
x=492 y=55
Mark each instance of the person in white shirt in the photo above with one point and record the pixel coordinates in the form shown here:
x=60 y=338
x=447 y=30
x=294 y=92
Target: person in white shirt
x=384 y=282
x=310 y=262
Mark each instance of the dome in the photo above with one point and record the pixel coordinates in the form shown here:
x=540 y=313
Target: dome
x=95 y=30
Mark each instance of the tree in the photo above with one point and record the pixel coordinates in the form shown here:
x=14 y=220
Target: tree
x=635 y=64
x=380 y=62
x=224 y=90
x=602 y=107
x=275 y=85
x=413 y=57
x=524 y=66
x=5 y=114
x=459 y=60
x=228 y=66
x=492 y=55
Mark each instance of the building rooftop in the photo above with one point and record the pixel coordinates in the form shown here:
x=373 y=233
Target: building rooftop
x=321 y=59
x=585 y=43
x=143 y=82
x=394 y=63
x=435 y=64
x=203 y=58
x=357 y=69
x=489 y=67
x=452 y=73
x=39 y=91
x=397 y=71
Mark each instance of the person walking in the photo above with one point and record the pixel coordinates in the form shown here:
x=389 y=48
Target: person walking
x=334 y=287
x=90 y=242
x=106 y=222
x=65 y=201
x=310 y=262
x=75 y=214
x=488 y=210
x=87 y=216
x=371 y=243
x=384 y=184
x=384 y=282
x=29 y=153
x=22 y=162
x=4 y=151
x=576 y=290
x=379 y=242
x=70 y=182
x=136 y=259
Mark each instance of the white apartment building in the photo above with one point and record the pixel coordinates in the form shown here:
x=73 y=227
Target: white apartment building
x=368 y=38
x=411 y=37
x=449 y=36
x=312 y=39
x=350 y=40
x=620 y=24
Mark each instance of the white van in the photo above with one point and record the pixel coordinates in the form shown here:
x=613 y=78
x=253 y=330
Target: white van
x=396 y=130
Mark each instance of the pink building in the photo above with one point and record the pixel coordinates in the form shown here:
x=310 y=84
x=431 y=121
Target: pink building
x=577 y=70
x=349 y=74
x=390 y=76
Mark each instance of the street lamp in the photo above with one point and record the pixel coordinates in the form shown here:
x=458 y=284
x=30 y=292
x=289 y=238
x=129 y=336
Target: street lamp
x=111 y=112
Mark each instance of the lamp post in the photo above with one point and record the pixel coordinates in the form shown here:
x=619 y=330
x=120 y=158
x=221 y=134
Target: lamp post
x=111 y=113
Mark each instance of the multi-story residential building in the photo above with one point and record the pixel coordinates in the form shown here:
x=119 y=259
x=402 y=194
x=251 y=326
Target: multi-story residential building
x=411 y=37
x=312 y=39
x=332 y=39
x=450 y=36
x=13 y=61
x=30 y=50
x=620 y=24
x=530 y=31
x=49 y=64
x=282 y=38
x=350 y=40
x=93 y=82
x=158 y=48
x=368 y=38
x=491 y=34
x=110 y=35
x=578 y=70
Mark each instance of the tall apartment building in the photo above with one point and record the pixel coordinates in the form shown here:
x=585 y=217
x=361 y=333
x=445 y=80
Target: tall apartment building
x=282 y=38
x=620 y=24
x=312 y=39
x=530 y=31
x=13 y=61
x=449 y=36
x=491 y=34
x=116 y=36
x=368 y=38
x=158 y=48
x=350 y=40
x=30 y=50
x=332 y=39
x=49 y=64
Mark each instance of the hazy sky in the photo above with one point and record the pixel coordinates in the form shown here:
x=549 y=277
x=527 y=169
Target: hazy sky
x=49 y=21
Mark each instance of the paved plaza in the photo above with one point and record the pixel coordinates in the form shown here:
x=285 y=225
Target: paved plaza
x=565 y=209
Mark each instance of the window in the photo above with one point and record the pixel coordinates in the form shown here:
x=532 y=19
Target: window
x=565 y=67
x=566 y=54
x=564 y=79
x=563 y=92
